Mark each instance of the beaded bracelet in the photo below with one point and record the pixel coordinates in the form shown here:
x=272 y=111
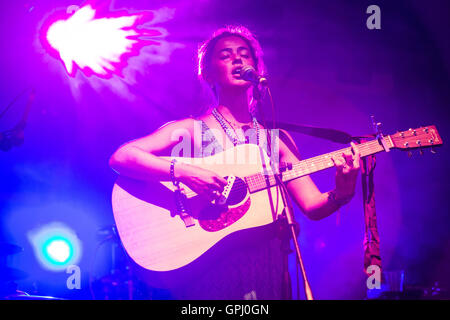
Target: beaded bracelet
x=172 y=173
x=339 y=202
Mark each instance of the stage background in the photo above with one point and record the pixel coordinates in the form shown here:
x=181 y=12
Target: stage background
x=325 y=68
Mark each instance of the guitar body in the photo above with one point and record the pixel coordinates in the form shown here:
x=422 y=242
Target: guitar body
x=157 y=238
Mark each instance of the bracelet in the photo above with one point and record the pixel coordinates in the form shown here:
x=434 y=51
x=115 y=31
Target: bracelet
x=172 y=173
x=339 y=202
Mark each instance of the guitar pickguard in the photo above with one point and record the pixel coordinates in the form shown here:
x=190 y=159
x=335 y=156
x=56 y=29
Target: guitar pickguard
x=226 y=218
x=214 y=218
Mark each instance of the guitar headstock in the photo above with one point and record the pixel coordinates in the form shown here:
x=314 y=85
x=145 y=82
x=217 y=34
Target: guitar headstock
x=422 y=137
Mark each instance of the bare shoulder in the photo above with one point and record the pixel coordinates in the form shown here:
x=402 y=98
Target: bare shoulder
x=286 y=137
x=288 y=148
x=165 y=137
x=187 y=123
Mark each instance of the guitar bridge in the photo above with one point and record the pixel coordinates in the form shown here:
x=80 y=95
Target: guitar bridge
x=181 y=207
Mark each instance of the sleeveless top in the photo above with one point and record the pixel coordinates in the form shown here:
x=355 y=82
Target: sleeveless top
x=248 y=264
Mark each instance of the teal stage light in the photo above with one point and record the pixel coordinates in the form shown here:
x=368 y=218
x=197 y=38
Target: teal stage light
x=58 y=250
x=56 y=246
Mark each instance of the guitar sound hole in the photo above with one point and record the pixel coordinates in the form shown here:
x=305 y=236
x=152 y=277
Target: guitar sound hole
x=238 y=192
x=215 y=218
x=237 y=195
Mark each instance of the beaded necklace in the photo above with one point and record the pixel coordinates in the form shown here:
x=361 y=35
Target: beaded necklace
x=231 y=132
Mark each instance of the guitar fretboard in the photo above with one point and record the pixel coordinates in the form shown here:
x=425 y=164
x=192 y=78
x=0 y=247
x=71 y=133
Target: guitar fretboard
x=262 y=181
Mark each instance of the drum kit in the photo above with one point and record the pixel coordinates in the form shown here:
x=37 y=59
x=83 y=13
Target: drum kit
x=9 y=276
x=118 y=283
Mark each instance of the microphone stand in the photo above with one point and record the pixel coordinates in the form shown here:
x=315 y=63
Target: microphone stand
x=289 y=212
x=371 y=242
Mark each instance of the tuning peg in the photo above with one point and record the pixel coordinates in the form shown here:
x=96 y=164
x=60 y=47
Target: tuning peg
x=433 y=150
x=409 y=154
x=421 y=151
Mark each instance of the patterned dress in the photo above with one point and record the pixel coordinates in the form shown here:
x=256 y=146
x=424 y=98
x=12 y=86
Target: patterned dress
x=248 y=264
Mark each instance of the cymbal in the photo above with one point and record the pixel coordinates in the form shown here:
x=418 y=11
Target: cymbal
x=30 y=297
x=119 y=277
x=9 y=248
x=10 y=274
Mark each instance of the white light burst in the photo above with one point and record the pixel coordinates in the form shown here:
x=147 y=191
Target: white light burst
x=97 y=45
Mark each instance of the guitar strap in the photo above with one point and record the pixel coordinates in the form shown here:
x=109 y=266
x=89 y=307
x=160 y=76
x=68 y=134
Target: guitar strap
x=371 y=238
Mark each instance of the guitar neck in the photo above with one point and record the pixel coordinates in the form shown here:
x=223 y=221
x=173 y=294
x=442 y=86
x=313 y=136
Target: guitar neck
x=262 y=181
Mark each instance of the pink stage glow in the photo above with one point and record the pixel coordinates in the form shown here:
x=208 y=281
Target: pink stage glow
x=96 y=44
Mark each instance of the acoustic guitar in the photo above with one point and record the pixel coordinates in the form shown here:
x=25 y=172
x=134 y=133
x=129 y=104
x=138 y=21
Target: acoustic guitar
x=159 y=235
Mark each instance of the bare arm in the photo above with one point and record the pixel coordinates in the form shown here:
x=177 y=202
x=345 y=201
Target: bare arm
x=315 y=204
x=141 y=159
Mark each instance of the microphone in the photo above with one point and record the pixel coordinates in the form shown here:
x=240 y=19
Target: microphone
x=248 y=73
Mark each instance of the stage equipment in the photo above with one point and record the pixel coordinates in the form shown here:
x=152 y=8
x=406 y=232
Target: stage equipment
x=8 y=249
x=248 y=73
x=58 y=250
x=371 y=242
x=9 y=275
x=15 y=136
x=56 y=246
x=407 y=140
x=119 y=282
x=96 y=41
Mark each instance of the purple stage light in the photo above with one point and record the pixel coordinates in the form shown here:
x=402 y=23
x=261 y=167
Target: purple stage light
x=95 y=40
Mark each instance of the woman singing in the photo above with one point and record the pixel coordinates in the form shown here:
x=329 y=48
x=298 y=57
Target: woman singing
x=257 y=268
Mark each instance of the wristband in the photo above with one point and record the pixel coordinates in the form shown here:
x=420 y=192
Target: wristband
x=172 y=173
x=339 y=202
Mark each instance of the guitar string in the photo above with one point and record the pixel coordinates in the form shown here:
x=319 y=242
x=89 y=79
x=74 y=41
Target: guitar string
x=260 y=181
x=304 y=167
x=318 y=162
x=322 y=162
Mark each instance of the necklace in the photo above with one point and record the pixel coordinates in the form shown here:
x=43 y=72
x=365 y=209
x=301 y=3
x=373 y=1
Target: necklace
x=231 y=132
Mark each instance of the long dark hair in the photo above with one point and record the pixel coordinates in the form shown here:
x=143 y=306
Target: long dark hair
x=206 y=48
